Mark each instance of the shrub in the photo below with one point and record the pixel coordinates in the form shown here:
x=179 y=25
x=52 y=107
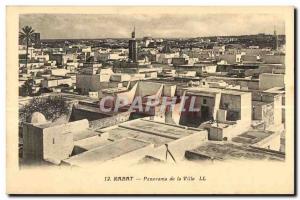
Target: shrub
x=51 y=107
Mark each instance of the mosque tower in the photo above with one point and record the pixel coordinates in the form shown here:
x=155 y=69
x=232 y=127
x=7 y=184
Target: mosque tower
x=132 y=46
x=275 y=39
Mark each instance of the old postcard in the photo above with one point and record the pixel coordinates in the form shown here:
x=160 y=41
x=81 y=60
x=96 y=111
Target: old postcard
x=150 y=100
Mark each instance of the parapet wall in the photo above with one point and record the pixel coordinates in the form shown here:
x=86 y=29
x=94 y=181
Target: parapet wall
x=180 y=146
x=110 y=121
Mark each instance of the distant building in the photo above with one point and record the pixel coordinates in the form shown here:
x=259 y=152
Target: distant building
x=219 y=50
x=133 y=47
x=147 y=41
x=90 y=78
x=269 y=80
x=108 y=56
x=225 y=113
x=200 y=69
x=58 y=57
x=267 y=107
x=275 y=40
x=37 y=40
x=56 y=81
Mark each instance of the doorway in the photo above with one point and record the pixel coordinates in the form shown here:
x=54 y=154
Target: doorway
x=205 y=116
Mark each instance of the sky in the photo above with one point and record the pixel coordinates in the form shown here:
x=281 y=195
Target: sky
x=92 y=26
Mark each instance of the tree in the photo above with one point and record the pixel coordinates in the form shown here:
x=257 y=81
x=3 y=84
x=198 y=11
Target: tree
x=26 y=34
x=52 y=107
x=26 y=89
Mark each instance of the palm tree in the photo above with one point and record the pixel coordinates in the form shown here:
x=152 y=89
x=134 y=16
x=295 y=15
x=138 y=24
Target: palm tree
x=26 y=34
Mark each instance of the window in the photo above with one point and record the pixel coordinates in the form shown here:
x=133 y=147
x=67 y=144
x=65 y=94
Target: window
x=204 y=101
x=226 y=106
x=53 y=141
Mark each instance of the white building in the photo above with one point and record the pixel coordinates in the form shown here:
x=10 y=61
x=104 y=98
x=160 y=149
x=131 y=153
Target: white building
x=268 y=80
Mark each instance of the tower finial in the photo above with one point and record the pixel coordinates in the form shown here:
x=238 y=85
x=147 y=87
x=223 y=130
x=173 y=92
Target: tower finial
x=275 y=39
x=133 y=32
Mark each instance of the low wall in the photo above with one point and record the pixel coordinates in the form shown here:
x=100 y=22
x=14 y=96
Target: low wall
x=180 y=146
x=79 y=114
x=218 y=133
x=110 y=121
x=190 y=155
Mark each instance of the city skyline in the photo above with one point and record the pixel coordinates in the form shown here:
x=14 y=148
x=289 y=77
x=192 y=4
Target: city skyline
x=159 y=26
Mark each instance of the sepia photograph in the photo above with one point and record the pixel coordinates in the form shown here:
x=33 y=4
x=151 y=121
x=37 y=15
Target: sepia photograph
x=150 y=100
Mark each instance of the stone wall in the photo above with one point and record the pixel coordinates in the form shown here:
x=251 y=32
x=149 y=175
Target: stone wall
x=79 y=114
x=268 y=80
x=110 y=121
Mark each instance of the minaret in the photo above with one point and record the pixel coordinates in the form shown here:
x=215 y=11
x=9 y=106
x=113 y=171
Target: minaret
x=275 y=39
x=132 y=46
x=133 y=33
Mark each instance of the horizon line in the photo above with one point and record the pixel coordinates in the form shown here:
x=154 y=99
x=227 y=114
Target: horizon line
x=160 y=37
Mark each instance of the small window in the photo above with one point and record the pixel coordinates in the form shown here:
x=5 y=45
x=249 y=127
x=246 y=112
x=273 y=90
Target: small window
x=203 y=83
x=53 y=141
x=204 y=101
x=226 y=105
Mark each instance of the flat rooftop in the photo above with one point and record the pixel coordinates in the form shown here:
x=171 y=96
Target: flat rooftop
x=104 y=153
x=234 y=92
x=80 y=135
x=57 y=78
x=23 y=78
x=161 y=129
x=252 y=137
x=115 y=90
x=167 y=81
x=156 y=133
x=229 y=151
x=120 y=133
x=233 y=79
x=203 y=90
x=275 y=90
x=69 y=96
x=215 y=90
x=94 y=108
x=92 y=142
